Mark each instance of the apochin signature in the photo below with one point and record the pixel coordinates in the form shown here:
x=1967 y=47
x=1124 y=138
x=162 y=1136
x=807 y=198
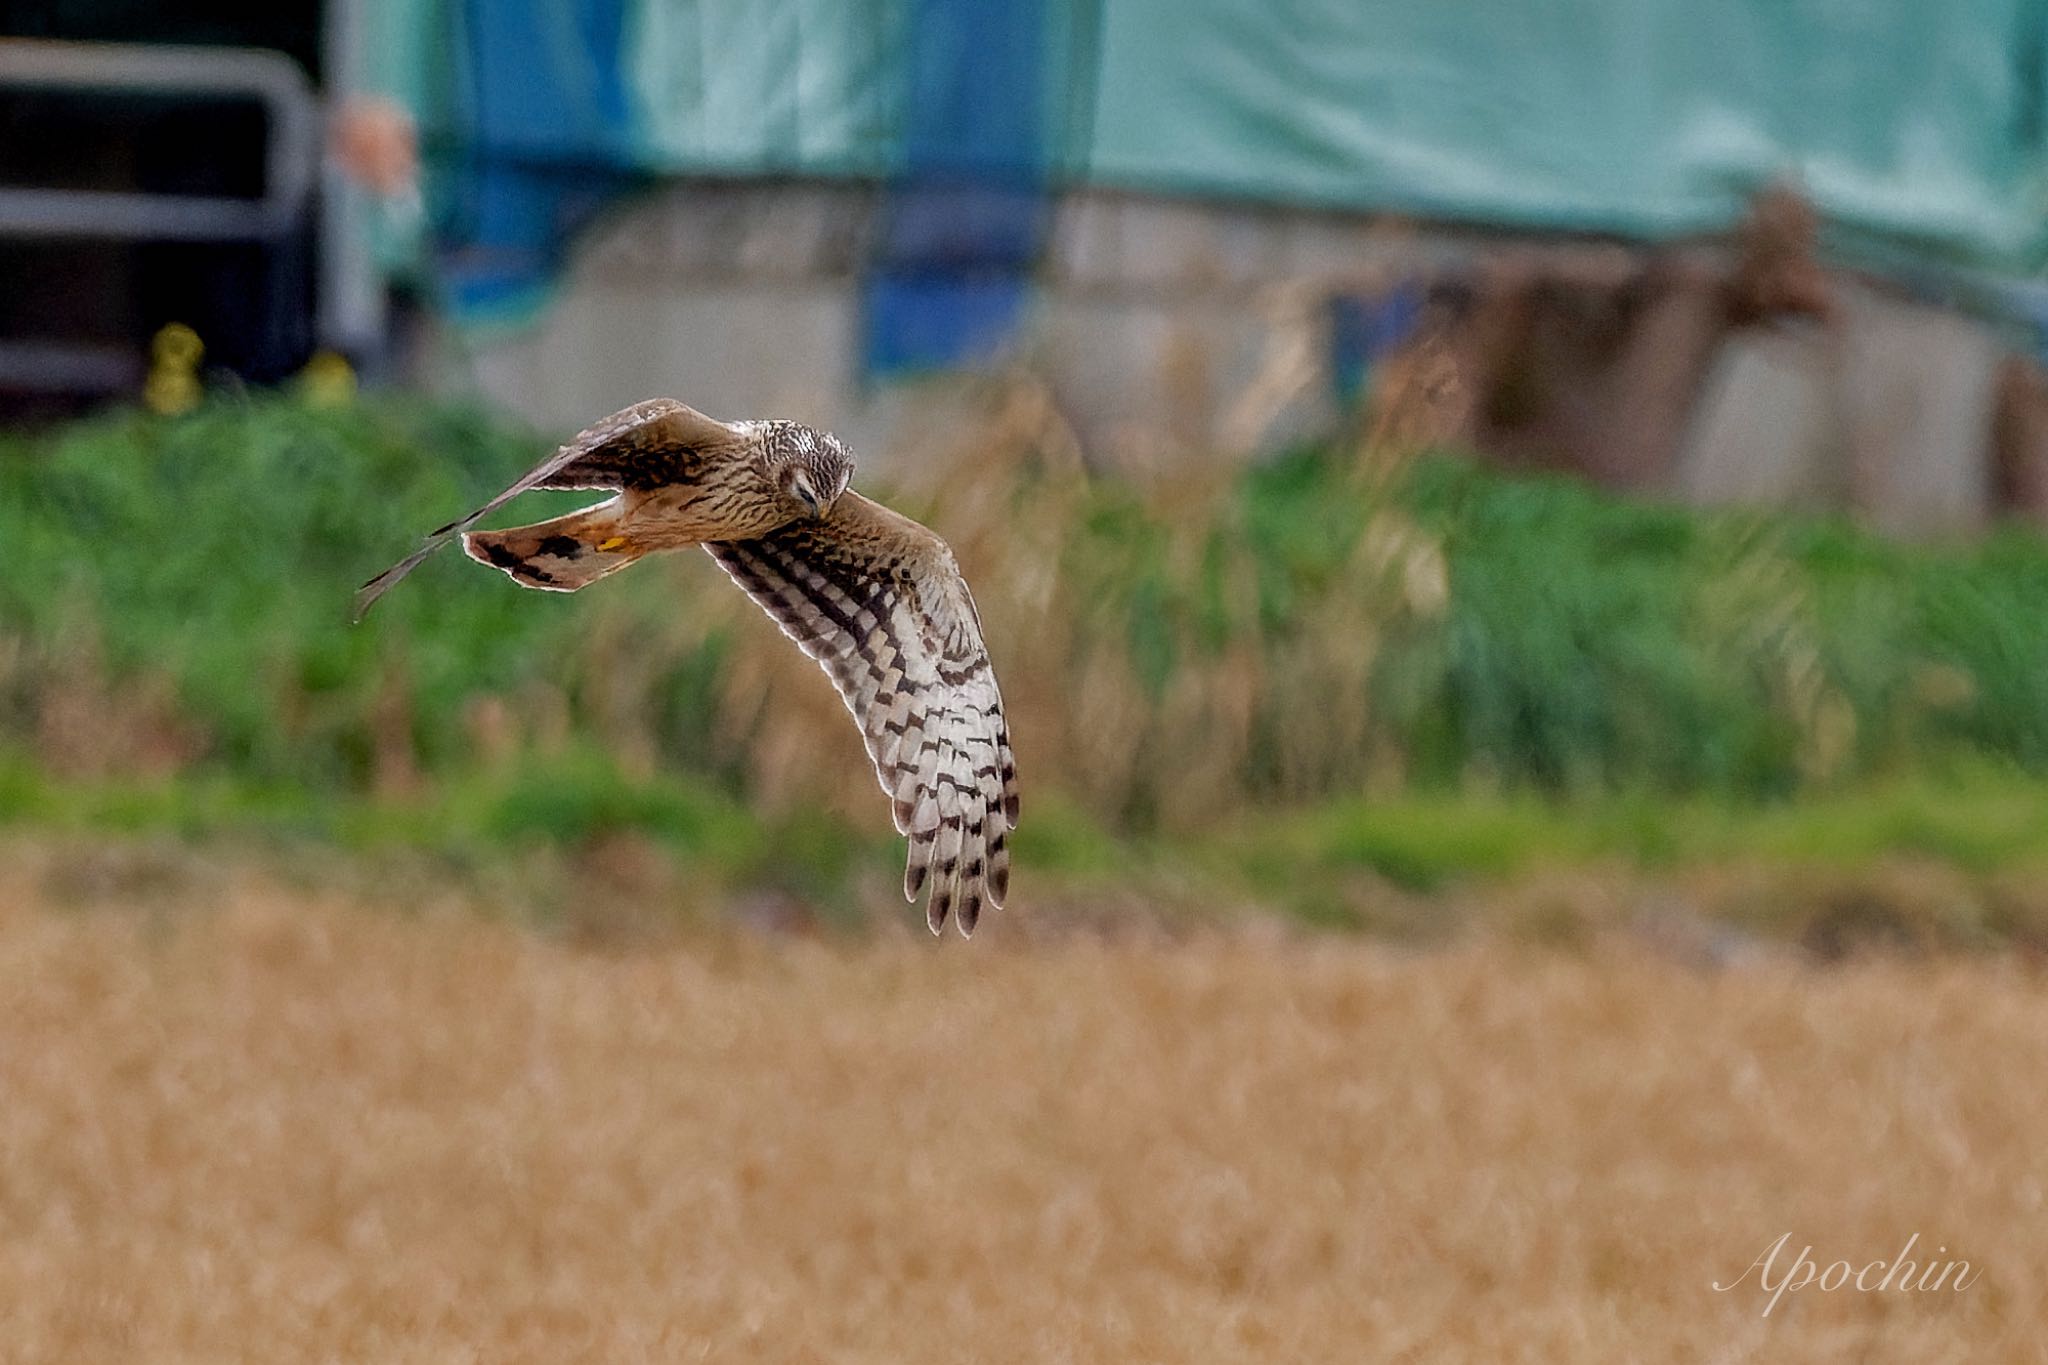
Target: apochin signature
x=1897 y=1275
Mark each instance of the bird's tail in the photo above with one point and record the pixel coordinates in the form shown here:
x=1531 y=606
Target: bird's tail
x=561 y=555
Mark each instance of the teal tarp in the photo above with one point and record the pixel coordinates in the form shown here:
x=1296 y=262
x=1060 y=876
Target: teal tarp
x=1920 y=123
x=807 y=86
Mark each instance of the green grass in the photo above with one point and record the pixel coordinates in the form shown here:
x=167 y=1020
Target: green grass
x=1953 y=864
x=1981 y=822
x=1604 y=680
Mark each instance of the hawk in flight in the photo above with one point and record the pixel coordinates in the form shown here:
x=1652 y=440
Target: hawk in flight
x=874 y=597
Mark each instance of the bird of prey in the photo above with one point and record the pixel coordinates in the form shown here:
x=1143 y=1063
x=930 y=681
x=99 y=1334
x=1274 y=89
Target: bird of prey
x=873 y=596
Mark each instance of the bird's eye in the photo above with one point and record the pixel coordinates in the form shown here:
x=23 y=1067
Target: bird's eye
x=803 y=493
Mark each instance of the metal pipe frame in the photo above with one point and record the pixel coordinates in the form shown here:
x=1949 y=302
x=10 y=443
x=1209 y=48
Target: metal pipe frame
x=291 y=150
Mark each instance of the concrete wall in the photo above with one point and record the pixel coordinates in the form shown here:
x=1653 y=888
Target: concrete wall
x=1166 y=326
x=1155 y=321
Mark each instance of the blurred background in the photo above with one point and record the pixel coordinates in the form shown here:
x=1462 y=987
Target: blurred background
x=1556 y=486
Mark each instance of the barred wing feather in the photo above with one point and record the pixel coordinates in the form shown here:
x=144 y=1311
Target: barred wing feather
x=879 y=602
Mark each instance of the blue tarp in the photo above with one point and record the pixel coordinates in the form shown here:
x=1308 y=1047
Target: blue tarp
x=961 y=229
x=1919 y=126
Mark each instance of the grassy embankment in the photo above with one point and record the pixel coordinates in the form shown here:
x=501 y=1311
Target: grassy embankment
x=1329 y=683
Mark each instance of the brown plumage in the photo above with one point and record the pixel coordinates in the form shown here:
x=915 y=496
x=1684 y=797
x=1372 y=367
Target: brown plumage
x=874 y=597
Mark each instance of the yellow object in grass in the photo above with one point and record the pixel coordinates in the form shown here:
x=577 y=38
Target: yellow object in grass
x=173 y=383
x=328 y=380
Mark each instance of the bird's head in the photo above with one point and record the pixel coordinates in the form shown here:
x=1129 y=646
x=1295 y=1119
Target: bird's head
x=811 y=468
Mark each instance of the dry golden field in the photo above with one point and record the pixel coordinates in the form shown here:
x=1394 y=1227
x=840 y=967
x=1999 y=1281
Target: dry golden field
x=240 y=1121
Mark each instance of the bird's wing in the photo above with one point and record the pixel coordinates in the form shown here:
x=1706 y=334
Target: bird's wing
x=879 y=602
x=647 y=445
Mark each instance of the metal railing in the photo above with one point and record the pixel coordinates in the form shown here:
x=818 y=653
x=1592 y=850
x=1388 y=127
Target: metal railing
x=291 y=163
x=291 y=151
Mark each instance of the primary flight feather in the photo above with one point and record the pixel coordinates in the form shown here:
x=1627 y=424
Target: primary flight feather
x=873 y=596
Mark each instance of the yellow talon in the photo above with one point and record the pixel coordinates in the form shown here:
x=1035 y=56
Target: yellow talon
x=614 y=543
